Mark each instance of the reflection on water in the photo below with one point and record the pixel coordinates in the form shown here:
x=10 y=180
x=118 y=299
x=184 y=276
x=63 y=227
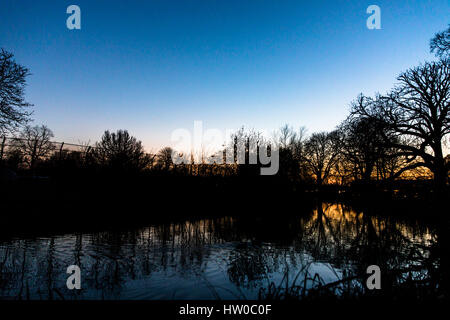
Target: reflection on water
x=228 y=258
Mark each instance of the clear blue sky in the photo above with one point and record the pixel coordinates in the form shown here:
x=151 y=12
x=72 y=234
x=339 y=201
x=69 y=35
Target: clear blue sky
x=155 y=66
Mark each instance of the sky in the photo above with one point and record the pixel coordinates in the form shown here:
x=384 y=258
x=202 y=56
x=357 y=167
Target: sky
x=158 y=65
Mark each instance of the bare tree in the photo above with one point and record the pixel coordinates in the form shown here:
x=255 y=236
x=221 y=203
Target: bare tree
x=13 y=106
x=164 y=157
x=244 y=148
x=416 y=114
x=35 y=143
x=364 y=148
x=285 y=137
x=321 y=154
x=290 y=144
x=120 y=151
x=440 y=44
x=15 y=159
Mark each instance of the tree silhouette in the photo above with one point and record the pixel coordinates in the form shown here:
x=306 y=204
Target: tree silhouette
x=15 y=159
x=164 y=158
x=35 y=144
x=13 y=106
x=440 y=44
x=416 y=114
x=363 y=146
x=322 y=152
x=120 y=151
x=290 y=145
x=243 y=149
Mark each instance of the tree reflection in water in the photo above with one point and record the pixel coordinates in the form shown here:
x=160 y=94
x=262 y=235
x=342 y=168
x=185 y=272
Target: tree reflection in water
x=321 y=253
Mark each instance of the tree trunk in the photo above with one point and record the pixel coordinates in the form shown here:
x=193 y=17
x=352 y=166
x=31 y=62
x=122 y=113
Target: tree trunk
x=440 y=172
x=440 y=180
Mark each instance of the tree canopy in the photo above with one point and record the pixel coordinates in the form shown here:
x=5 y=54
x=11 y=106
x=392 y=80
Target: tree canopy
x=13 y=107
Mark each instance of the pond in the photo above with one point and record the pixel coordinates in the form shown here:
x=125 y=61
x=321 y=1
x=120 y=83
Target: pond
x=226 y=258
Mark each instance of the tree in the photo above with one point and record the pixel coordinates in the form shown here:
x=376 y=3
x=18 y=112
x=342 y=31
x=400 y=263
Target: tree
x=363 y=147
x=120 y=151
x=416 y=114
x=244 y=150
x=35 y=143
x=164 y=157
x=440 y=44
x=13 y=106
x=321 y=154
x=14 y=159
x=290 y=145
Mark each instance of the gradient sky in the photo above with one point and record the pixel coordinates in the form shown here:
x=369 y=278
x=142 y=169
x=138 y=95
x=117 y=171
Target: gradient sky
x=155 y=66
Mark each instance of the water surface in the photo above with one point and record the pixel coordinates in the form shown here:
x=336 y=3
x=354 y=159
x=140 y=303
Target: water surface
x=226 y=258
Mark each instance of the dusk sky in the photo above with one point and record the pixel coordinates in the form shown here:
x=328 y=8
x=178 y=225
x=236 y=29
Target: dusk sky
x=154 y=66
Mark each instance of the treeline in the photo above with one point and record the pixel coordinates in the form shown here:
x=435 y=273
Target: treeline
x=402 y=134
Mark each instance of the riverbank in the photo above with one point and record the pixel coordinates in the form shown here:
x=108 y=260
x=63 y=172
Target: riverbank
x=45 y=205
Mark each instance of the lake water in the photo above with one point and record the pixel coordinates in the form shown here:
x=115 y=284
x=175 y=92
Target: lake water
x=226 y=258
